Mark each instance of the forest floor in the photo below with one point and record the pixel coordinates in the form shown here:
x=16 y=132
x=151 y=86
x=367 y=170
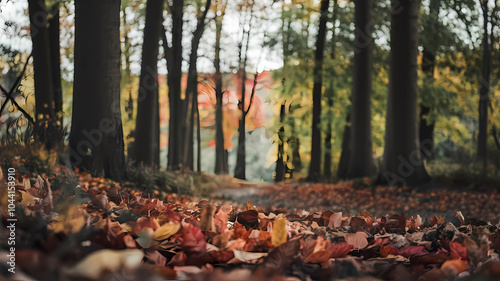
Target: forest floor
x=77 y=227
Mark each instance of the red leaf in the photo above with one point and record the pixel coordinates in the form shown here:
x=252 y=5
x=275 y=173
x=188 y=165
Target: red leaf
x=458 y=251
x=193 y=239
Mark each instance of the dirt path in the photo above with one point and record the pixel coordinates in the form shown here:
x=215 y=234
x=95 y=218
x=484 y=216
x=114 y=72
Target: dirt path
x=379 y=201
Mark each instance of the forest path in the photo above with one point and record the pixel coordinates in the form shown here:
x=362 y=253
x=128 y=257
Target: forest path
x=349 y=197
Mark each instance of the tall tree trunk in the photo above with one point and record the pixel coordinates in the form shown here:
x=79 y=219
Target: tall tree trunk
x=330 y=93
x=361 y=157
x=426 y=126
x=198 y=138
x=192 y=87
x=220 y=159
x=327 y=162
x=294 y=143
x=240 y=169
x=55 y=57
x=402 y=156
x=174 y=65
x=46 y=131
x=314 y=166
x=482 y=141
x=96 y=139
x=220 y=153
x=280 y=162
x=345 y=155
x=147 y=101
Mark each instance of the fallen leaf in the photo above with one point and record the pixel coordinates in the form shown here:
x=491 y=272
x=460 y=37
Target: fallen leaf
x=279 y=234
x=357 y=240
x=458 y=251
x=246 y=257
x=166 y=231
x=99 y=262
x=452 y=268
x=335 y=220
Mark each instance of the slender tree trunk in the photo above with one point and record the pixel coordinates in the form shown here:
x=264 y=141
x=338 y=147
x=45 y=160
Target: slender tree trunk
x=327 y=163
x=482 y=143
x=346 y=150
x=55 y=57
x=426 y=126
x=147 y=101
x=240 y=169
x=46 y=131
x=96 y=139
x=174 y=65
x=314 y=166
x=192 y=87
x=294 y=144
x=402 y=156
x=280 y=162
x=220 y=153
x=361 y=157
x=330 y=93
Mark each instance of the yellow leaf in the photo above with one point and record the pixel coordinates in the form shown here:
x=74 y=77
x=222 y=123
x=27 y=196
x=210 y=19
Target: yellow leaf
x=165 y=231
x=102 y=261
x=249 y=206
x=279 y=234
x=28 y=200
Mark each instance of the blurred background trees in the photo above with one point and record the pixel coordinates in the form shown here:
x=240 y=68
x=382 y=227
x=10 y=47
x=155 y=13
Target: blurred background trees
x=387 y=87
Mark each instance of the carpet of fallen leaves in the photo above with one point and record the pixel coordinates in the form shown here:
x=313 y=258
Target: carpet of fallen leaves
x=381 y=200
x=101 y=231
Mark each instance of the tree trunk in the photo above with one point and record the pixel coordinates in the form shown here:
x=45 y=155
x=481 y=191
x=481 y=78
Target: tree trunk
x=426 y=126
x=192 y=88
x=219 y=133
x=402 y=156
x=280 y=162
x=482 y=141
x=55 y=57
x=343 y=168
x=96 y=139
x=314 y=166
x=327 y=162
x=46 y=131
x=240 y=169
x=147 y=101
x=174 y=65
x=220 y=153
x=361 y=157
x=294 y=143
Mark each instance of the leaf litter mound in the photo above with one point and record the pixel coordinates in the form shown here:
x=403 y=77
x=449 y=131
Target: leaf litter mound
x=97 y=230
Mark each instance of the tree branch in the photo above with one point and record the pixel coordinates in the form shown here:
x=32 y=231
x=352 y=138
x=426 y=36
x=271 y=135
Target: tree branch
x=253 y=92
x=14 y=87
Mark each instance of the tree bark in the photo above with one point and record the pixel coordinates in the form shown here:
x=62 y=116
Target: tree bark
x=96 y=139
x=174 y=65
x=482 y=140
x=240 y=169
x=220 y=153
x=314 y=166
x=220 y=159
x=361 y=157
x=46 y=128
x=327 y=162
x=192 y=87
x=343 y=168
x=55 y=57
x=402 y=156
x=147 y=102
x=280 y=162
x=426 y=126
